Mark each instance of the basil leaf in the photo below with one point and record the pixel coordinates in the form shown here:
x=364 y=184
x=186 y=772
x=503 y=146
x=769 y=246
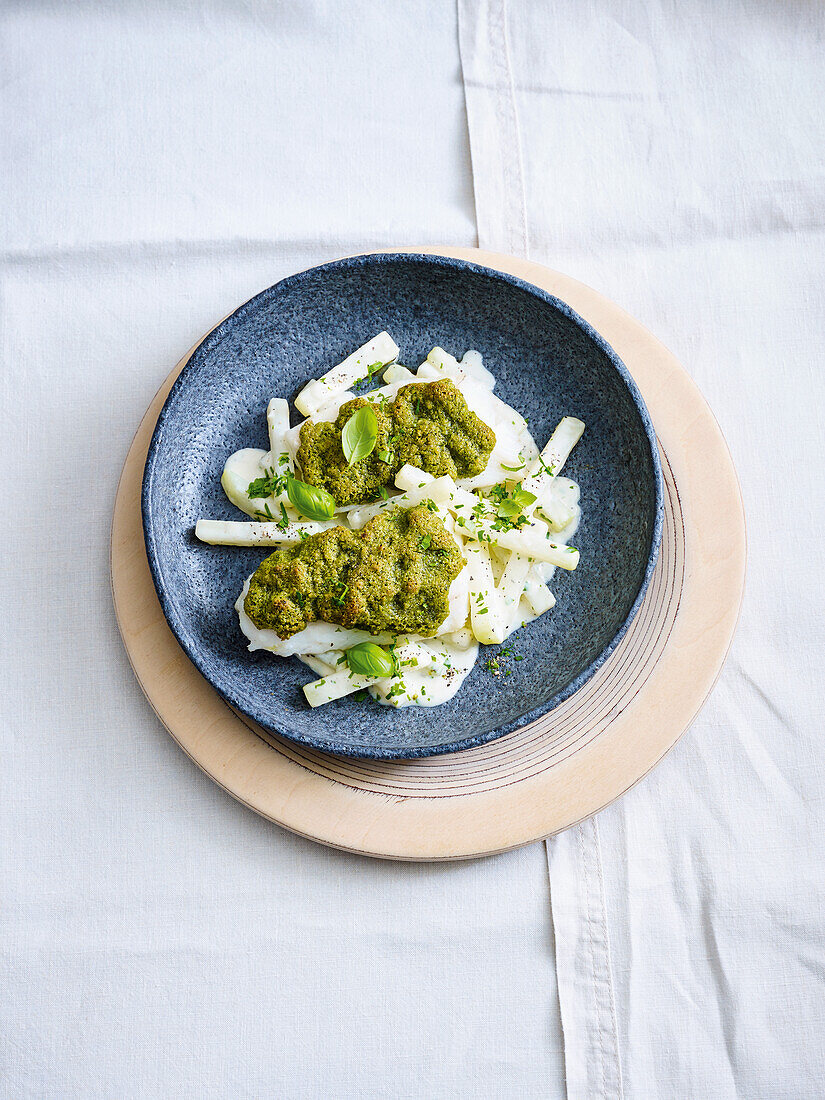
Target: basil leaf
x=509 y=508
x=523 y=498
x=384 y=456
x=309 y=500
x=369 y=659
x=359 y=434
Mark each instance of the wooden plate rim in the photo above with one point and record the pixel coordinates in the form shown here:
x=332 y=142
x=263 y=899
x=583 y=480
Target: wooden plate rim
x=253 y=770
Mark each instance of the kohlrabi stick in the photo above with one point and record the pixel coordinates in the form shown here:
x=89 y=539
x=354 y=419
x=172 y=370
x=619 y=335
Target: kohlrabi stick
x=438 y=490
x=396 y=373
x=487 y=617
x=336 y=686
x=428 y=373
x=512 y=580
x=533 y=542
x=447 y=364
x=548 y=465
x=440 y=364
x=221 y=532
x=410 y=477
x=368 y=359
x=321 y=665
x=553 y=509
x=277 y=422
x=538 y=596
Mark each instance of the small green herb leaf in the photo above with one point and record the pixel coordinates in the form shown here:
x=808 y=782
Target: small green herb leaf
x=512 y=468
x=384 y=456
x=359 y=434
x=523 y=498
x=309 y=500
x=369 y=659
x=424 y=544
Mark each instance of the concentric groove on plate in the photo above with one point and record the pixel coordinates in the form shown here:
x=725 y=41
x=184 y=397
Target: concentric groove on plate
x=555 y=736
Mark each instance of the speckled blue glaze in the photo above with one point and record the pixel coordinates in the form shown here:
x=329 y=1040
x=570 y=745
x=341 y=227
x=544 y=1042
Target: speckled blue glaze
x=548 y=363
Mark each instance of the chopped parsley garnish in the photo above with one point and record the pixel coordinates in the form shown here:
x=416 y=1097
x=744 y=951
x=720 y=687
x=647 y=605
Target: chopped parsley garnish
x=497 y=665
x=372 y=369
x=341 y=593
x=271 y=485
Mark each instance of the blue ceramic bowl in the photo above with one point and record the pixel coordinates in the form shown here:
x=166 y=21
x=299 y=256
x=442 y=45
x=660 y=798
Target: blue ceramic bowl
x=548 y=363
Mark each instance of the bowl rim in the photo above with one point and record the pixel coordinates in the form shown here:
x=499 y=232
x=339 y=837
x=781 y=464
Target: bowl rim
x=217 y=334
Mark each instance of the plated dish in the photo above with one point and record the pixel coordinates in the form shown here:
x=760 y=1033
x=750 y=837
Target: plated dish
x=548 y=364
x=413 y=522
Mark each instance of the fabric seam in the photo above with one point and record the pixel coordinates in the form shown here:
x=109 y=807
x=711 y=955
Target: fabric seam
x=506 y=149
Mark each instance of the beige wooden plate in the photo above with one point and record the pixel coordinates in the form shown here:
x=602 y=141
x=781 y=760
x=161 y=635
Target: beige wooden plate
x=545 y=777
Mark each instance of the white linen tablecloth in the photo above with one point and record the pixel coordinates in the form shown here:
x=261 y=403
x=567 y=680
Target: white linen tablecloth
x=672 y=155
x=164 y=161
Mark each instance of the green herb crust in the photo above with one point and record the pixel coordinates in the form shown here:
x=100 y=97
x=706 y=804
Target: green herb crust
x=428 y=425
x=379 y=579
